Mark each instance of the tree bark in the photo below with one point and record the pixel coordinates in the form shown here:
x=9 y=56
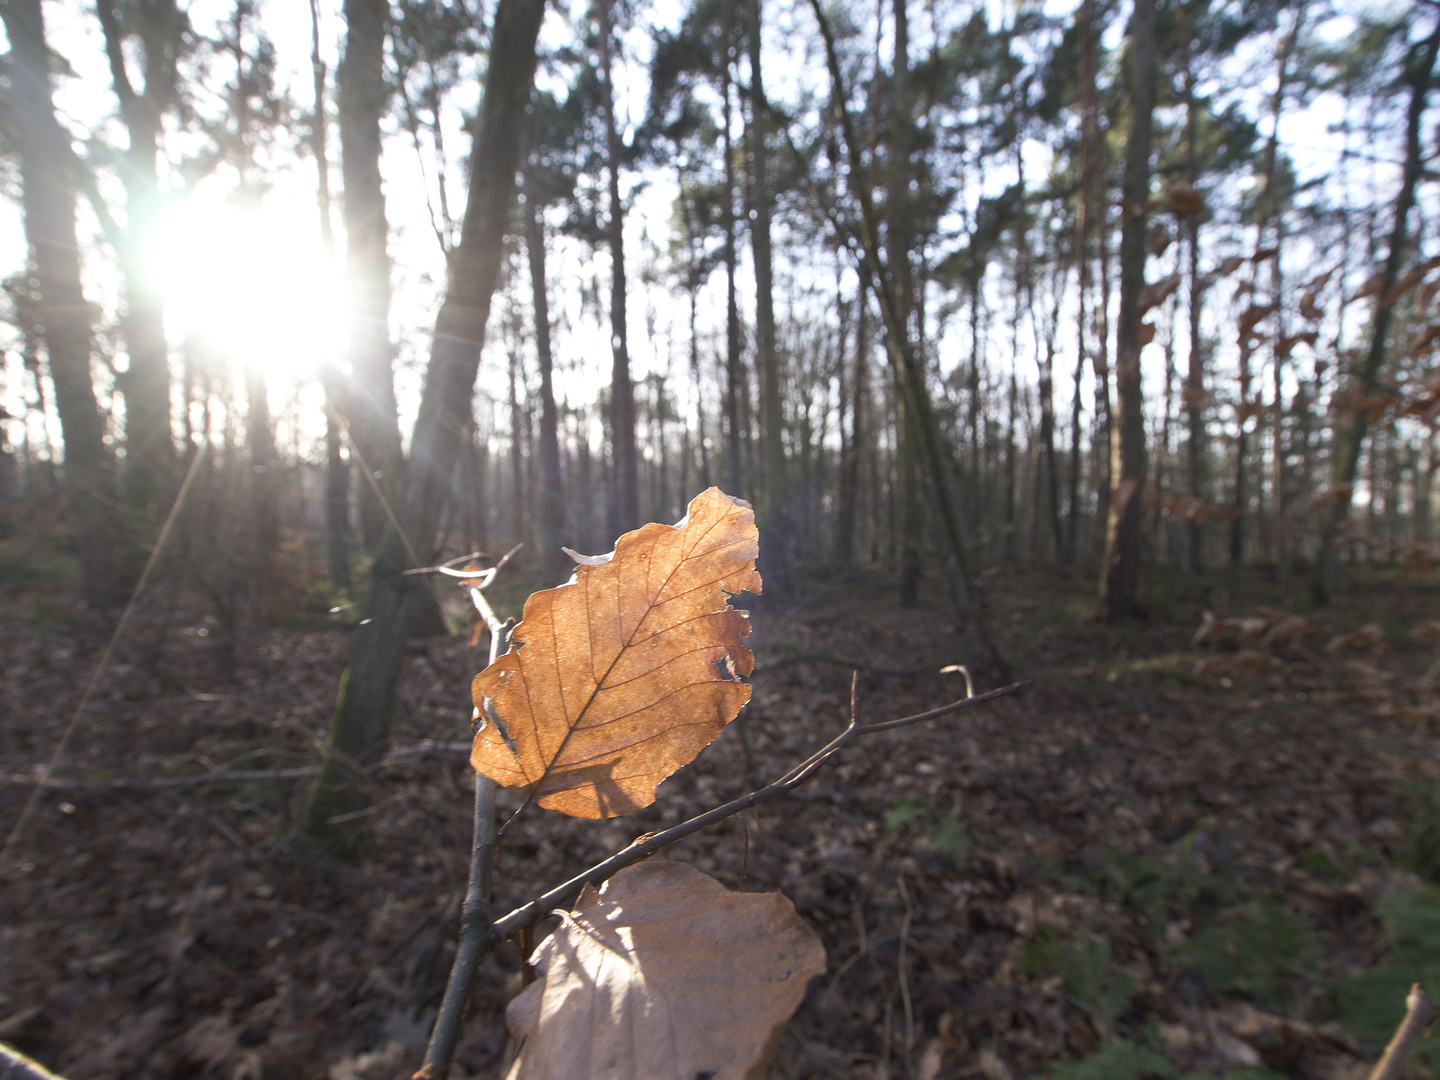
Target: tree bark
x=48 y=201
x=1120 y=571
x=371 y=413
x=360 y=728
x=149 y=446
x=337 y=469
x=775 y=494
x=625 y=481
x=551 y=499
x=734 y=372
x=1195 y=376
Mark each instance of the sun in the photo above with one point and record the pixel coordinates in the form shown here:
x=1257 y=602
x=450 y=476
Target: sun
x=254 y=284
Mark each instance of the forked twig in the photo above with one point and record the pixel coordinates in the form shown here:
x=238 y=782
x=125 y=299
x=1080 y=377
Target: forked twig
x=475 y=932
x=479 y=937
x=1420 y=1013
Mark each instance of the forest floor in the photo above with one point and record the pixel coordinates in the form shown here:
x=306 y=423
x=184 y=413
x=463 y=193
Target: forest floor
x=1161 y=859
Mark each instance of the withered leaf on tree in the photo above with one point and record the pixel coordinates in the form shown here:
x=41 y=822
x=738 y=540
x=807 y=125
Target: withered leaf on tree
x=663 y=973
x=1373 y=284
x=1157 y=292
x=621 y=676
x=1408 y=280
x=1308 y=307
x=1184 y=200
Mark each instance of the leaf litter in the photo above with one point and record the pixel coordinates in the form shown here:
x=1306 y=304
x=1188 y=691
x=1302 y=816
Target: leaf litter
x=1136 y=862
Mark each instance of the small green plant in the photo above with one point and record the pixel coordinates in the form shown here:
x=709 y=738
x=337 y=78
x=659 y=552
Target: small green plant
x=946 y=834
x=1126 y=1060
x=1091 y=975
x=1370 y=1005
x=1420 y=822
x=1159 y=886
x=1256 y=951
x=1123 y=1060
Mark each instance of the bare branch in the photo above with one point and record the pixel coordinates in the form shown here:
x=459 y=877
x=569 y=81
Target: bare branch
x=1420 y=1013
x=16 y=1066
x=541 y=906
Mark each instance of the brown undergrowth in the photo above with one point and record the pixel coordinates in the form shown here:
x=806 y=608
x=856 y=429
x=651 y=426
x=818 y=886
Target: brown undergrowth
x=1164 y=858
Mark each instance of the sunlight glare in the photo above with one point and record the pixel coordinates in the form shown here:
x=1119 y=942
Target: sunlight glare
x=255 y=285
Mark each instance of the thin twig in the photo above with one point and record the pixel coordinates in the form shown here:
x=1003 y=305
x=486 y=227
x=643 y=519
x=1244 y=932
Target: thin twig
x=225 y=776
x=104 y=662
x=479 y=936
x=902 y=964
x=16 y=1066
x=1420 y=1013
x=528 y=914
x=476 y=936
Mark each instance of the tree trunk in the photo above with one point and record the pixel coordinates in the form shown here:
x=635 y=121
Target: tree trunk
x=849 y=508
x=373 y=422
x=1194 y=395
x=774 y=492
x=904 y=359
x=360 y=728
x=48 y=202
x=1120 y=571
x=337 y=469
x=624 y=512
x=1089 y=152
x=1419 y=69
x=550 y=518
x=149 y=445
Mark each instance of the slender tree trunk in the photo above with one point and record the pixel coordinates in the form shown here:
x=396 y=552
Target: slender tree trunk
x=149 y=445
x=907 y=364
x=624 y=511
x=337 y=469
x=1047 y=421
x=360 y=728
x=899 y=232
x=60 y=309
x=372 y=418
x=734 y=373
x=551 y=500
x=850 y=468
x=1120 y=573
x=1194 y=395
x=774 y=486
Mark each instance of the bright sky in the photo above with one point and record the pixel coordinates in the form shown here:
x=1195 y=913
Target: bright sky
x=260 y=288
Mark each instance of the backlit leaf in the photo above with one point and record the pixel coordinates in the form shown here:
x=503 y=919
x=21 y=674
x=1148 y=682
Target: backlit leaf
x=621 y=676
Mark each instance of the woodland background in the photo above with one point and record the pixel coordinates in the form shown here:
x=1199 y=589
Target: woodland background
x=1100 y=338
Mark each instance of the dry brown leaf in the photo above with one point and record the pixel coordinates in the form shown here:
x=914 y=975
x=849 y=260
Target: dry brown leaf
x=1372 y=285
x=622 y=675
x=1184 y=200
x=1408 y=280
x=664 y=973
x=1158 y=292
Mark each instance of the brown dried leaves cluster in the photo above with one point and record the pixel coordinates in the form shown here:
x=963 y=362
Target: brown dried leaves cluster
x=621 y=676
